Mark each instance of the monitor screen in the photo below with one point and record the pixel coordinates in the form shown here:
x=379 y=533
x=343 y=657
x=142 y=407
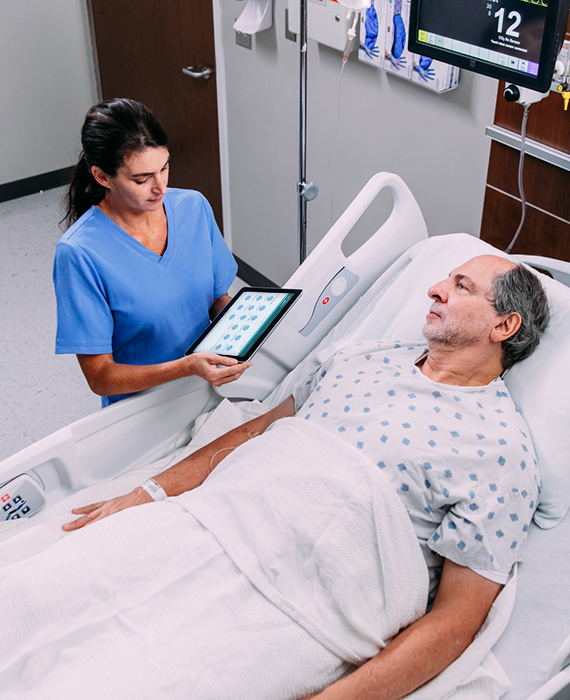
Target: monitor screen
x=513 y=40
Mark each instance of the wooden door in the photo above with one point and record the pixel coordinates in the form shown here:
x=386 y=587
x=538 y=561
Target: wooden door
x=142 y=47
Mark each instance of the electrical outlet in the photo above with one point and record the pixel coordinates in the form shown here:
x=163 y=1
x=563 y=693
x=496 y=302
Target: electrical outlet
x=243 y=39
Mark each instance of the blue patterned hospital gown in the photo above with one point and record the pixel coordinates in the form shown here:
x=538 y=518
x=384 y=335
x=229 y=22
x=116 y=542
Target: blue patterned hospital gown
x=460 y=457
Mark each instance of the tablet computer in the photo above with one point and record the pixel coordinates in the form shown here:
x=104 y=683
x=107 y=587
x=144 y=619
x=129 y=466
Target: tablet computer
x=245 y=322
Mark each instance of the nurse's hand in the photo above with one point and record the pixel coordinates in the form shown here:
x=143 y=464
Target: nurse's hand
x=215 y=369
x=98 y=511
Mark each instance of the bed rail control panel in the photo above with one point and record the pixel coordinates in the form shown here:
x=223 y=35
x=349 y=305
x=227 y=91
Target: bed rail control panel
x=340 y=284
x=21 y=497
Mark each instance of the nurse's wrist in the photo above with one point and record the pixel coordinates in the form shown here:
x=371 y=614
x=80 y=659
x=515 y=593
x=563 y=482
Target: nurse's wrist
x=191 y=364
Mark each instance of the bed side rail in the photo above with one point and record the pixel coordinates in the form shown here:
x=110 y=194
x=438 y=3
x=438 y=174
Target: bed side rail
x=332 y=283
x=119 y=438
x=558 y=685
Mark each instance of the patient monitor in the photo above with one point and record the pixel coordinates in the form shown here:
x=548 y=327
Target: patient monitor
x=517 y=41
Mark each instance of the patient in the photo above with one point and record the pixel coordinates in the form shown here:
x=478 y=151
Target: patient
x=440 y=424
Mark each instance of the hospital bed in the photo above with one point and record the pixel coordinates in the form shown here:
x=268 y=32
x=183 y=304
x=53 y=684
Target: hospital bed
x=379 y=291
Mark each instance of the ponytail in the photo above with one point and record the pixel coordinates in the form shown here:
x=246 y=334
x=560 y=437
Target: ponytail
x=84 y=191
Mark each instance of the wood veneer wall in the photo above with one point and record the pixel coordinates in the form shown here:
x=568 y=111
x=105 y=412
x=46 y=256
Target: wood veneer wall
x=546 y=230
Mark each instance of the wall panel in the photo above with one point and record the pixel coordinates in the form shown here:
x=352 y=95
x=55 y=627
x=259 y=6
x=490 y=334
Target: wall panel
x=546 y=230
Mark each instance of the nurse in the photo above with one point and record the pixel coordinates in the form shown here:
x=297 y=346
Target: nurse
x=142 y=267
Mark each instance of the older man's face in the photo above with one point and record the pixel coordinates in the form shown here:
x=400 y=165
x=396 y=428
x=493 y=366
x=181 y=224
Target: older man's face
x=461 y=313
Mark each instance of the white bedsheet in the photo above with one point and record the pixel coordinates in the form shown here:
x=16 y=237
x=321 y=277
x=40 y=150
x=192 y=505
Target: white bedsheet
x=224 y=610
x=264 y=602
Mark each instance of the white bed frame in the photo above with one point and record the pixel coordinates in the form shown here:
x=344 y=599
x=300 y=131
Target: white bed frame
x=139 y=430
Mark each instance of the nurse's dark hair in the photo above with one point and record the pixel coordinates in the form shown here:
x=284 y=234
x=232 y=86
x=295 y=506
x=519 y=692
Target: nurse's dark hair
x=111 y=131
x=519 y=290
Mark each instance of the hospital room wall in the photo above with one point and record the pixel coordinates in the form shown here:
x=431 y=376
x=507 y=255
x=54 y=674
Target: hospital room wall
x=436 y=143
x=47 y=83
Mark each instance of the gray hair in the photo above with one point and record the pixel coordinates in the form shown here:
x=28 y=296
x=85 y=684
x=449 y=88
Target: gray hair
x=519 y=290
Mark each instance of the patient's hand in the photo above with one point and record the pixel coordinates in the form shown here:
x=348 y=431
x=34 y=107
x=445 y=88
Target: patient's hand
x=98 y=511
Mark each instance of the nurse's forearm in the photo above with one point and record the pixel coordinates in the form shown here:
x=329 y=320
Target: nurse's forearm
x=108 y=378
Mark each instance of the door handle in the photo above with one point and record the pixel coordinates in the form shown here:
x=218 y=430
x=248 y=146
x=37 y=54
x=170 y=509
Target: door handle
x=204 y=73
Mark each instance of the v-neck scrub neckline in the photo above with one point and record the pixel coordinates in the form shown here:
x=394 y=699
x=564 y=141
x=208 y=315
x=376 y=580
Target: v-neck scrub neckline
x=131 y=241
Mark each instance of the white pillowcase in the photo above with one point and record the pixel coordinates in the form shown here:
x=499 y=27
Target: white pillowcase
x=540 y=387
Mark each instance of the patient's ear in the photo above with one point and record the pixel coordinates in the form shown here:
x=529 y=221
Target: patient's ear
x=506 y=327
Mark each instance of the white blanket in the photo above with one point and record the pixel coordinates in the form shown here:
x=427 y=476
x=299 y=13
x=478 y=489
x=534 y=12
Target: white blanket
x=293 y=561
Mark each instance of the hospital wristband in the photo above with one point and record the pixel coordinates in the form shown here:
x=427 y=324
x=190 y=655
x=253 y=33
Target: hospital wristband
x=154 y=490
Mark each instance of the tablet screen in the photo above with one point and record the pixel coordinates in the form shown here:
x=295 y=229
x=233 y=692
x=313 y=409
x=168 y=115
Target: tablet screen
x=245 y=322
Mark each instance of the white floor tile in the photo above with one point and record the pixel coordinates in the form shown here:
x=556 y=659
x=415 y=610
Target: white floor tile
x=40 y=392
x=13 y=435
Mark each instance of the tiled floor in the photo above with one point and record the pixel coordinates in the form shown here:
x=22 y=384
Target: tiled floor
x=40 y=392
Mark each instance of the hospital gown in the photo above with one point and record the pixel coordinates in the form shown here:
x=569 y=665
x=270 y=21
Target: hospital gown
x=460 y=457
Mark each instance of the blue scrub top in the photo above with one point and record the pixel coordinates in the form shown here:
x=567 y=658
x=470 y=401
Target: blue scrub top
x=116 y=296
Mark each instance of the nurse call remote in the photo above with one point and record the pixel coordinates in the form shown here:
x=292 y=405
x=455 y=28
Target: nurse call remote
x=21 y=497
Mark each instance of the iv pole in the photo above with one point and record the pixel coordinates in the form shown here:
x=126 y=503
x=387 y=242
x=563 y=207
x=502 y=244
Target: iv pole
x=307 y=191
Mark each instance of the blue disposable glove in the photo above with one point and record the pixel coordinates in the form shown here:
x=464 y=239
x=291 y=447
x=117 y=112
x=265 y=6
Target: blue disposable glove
x=399 y=42
x=371 y=26
x=423 y=68
x=396 y=57
x=372 y=53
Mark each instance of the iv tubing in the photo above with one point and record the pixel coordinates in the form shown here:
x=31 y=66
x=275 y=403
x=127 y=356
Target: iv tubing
x=250 y=436
x=333 y=143
x=224 y=449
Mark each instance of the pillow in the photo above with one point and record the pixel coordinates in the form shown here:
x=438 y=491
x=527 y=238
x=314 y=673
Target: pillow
x=395 y=308
x=540 y=387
